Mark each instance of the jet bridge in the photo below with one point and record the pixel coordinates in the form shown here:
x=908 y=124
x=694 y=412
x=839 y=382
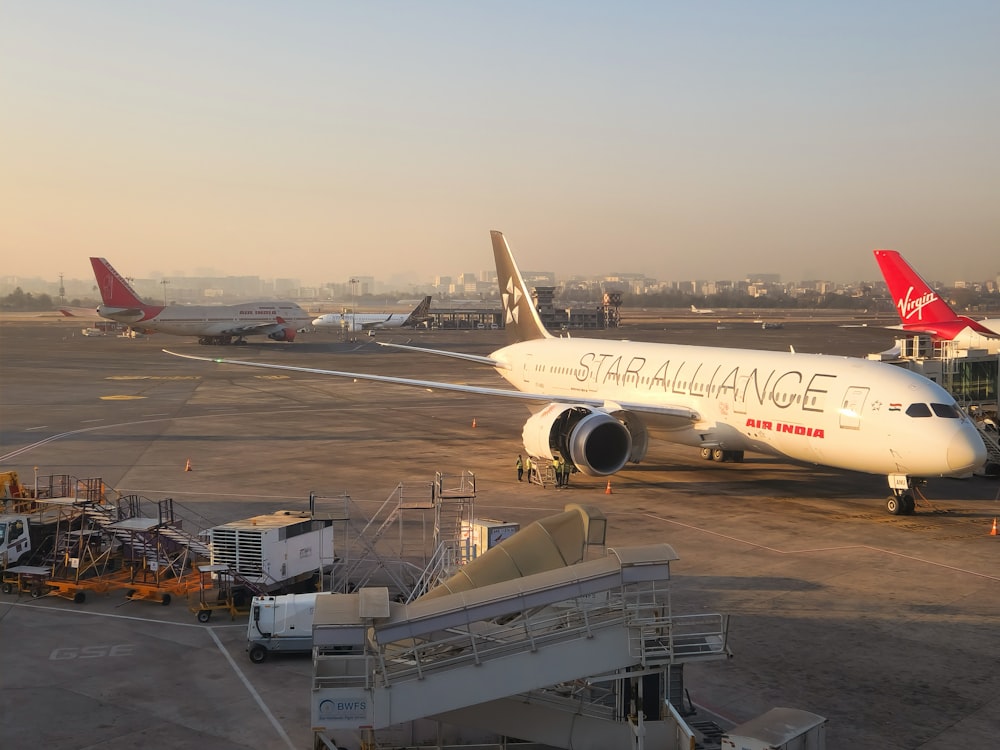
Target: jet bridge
x=508 y=656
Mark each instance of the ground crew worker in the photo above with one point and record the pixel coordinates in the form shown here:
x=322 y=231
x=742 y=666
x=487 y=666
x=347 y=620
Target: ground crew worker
x=527 y=466
x=563 y=472
x=520 y=467
x=555 y=471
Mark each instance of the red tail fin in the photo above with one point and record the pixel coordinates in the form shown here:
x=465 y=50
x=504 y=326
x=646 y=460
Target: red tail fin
x=919 y=307
x=115 y=291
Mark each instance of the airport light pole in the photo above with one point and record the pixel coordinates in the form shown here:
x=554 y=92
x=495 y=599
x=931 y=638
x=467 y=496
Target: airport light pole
x=164 y=282
x=354 y=304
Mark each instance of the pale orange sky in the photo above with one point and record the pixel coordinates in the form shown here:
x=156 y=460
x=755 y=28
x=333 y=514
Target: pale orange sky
x=320 y=140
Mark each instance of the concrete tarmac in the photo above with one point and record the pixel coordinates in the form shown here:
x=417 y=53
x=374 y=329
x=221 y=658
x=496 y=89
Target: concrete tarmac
x=888 y=626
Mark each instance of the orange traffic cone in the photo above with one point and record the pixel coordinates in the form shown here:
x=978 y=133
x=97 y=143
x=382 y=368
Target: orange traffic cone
x=473 y=422
x=607 y=490
x=993 y=531
x=187 y=466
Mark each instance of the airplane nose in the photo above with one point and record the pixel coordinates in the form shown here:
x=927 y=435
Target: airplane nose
x=966 y=451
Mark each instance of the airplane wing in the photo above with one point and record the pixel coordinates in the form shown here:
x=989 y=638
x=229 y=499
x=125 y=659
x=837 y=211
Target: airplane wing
x=264 y=326
x=680 y=415
x=489 y=361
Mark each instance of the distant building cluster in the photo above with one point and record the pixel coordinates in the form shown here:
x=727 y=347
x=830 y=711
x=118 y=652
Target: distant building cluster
x=463 y=286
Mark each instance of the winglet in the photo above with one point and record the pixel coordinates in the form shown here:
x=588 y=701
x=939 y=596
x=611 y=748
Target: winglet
x=521 y=319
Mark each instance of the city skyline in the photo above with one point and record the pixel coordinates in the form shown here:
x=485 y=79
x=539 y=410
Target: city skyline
x=671 y=140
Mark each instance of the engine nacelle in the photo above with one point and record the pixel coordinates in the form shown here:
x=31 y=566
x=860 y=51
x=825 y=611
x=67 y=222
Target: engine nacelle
x=596 y=442
x=285 y=334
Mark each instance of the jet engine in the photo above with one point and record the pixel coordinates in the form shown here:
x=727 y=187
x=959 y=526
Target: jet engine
x=595 y=441
x=285 y=334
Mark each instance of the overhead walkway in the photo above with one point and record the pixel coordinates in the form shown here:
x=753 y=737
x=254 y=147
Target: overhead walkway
x=480 y=656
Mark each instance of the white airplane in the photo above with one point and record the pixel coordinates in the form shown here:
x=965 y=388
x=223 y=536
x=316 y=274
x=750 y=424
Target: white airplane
x=921 y=309
x=701 y=311
x=596 y=402
x=371 y=322
x=212 y=324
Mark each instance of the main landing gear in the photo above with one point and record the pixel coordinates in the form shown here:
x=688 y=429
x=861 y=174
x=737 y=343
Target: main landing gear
x=719 y=455
x=220 y=340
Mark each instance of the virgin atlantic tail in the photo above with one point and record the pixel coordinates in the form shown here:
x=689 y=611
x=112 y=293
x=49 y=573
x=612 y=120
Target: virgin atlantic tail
x=920 y=308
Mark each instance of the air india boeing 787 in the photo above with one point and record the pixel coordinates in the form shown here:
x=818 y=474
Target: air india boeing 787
x=596 y=403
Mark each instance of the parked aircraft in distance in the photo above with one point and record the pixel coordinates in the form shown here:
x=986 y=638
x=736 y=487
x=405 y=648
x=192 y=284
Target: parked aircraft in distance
x=701 y=311
x=921 y=309
x=212 y=324
x=371 y=322
x=596 y=402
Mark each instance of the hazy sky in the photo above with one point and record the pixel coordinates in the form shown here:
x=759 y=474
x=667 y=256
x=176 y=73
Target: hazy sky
x=323 y=139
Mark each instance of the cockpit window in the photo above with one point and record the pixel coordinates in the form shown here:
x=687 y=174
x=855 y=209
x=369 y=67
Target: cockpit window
x=948 y=411
x=918 y=410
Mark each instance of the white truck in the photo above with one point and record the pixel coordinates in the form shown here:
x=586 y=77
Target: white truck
x=280 y=624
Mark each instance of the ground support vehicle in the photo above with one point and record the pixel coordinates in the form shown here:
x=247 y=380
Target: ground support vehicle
x=26 y=579
x=219 y=590
x=281 y=624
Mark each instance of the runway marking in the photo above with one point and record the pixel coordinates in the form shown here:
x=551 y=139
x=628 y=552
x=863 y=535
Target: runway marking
x=211 y=632
x=85 y=421
x=837 y=548
x=121 y=398
x=40 y=427
x=250 y=689
x=153 y=377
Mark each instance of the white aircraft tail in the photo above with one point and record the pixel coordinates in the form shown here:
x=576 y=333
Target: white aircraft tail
x=521 y=319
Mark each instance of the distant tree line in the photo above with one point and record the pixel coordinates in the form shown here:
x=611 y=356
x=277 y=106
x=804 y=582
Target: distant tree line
x=20 y=301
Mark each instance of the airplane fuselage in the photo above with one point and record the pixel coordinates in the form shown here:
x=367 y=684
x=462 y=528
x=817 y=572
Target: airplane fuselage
x=837 y=411
x=209 y=320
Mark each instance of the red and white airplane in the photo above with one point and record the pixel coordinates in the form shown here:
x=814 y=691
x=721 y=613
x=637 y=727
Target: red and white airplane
x=596 y=403
x=212 y=324
x=921 y=309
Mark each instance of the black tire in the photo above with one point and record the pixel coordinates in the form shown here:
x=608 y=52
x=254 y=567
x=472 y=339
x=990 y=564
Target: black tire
x=738 y=456
x=204 y=615
x=7 y=588
x=37 y=593
x=165 y=600
x=706 y=453
x=257 y=653
x=894 y=505
x=79 y=597
x=719 y=455
x=909 y=505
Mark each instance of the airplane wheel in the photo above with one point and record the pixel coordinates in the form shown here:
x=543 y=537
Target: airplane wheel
x=909 y=505
x=718 y=455
x=737 y=456
x=894 y=505
x=706 y=453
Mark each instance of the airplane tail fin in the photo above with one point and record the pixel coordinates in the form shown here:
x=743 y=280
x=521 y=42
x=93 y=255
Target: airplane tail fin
x=521 y=318
x=115 y=290
x=420 y=312
x=919 y=307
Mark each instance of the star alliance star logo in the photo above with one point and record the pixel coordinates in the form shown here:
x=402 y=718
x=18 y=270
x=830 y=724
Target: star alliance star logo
x=511 y=301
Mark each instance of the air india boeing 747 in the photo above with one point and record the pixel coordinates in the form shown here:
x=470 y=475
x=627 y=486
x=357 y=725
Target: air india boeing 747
x=597 y=403
x=212 y=324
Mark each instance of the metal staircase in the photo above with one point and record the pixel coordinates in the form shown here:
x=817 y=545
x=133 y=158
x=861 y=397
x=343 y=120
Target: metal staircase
x=605 y=620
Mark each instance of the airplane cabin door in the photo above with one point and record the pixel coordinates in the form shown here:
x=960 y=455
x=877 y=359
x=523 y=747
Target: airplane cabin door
x=851 y=406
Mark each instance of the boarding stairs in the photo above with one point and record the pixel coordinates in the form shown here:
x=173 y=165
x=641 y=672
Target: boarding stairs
x=991 y=439
x=606 y=617
x=397 y=546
